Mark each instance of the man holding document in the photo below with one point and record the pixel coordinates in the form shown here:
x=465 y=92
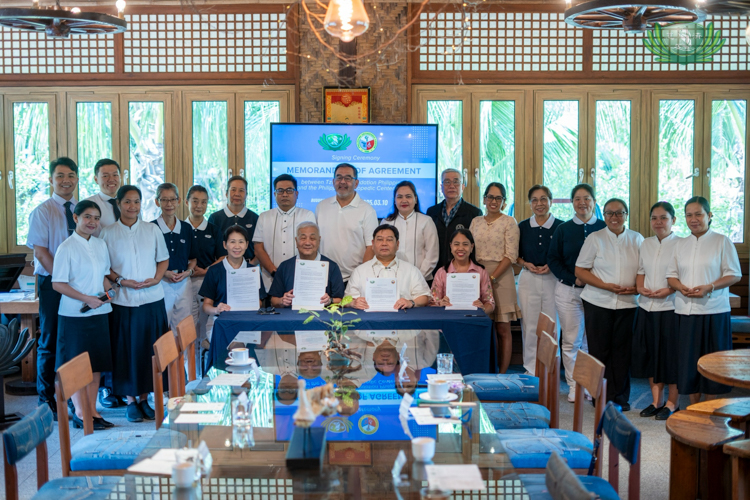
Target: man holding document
x=232 y=284
x=387 y=283
x=310 y=280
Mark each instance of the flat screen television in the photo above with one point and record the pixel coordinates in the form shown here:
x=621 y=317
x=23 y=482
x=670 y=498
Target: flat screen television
x=383 y=154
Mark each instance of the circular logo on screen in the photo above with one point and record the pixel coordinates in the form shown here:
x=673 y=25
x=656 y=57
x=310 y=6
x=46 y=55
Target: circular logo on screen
x=367 y=142
x=368 y=424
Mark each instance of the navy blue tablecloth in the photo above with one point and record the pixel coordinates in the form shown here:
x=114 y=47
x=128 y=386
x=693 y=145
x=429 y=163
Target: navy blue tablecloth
x=471 y=339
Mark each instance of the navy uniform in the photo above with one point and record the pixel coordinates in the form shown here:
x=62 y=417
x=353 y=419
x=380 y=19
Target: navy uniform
x=180 y=245
x=224 y=219
x=215 y=284
x=284 y=279
x=208 y=244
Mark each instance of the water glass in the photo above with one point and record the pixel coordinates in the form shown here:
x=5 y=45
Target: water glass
x=242 y=425
x=445 y=363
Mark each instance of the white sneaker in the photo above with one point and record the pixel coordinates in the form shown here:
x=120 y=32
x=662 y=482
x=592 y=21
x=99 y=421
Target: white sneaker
x=572 y=395
x=587 y=395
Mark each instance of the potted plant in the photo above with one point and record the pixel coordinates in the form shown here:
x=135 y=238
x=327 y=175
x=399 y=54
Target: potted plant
x=338 y=352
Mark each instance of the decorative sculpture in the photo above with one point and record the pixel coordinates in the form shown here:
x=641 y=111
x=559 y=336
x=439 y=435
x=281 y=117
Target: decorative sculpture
x=14 y=346
x=307 y=445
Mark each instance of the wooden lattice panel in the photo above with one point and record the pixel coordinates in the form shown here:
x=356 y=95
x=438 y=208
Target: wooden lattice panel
x=499 y=41
x=161 y=488
x=208 y=43
x=508 y=489
x=26 y=52
x=614 y=50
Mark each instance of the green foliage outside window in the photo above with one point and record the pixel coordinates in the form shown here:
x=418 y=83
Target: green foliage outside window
x=449 y=117
x=211 y=151
x=497 y=146
x=146 y=128
x=560 y=154
x=728 y=132
x=612 y=178
x=258 y=118
x=94 y=130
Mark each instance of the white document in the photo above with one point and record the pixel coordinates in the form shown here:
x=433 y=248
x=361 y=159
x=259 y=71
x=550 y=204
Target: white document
x=160 y=464
x=11 y=297
x=455 y=477
x=462 y=289
x=310 y=280
x=243 y=287
x=233 y=379
x=315 y=340
x=198 y=418
x=381 y=294
x=406 y=401
x=423 y=416
x=195 y=407
x=450 y=377
x=247 y=338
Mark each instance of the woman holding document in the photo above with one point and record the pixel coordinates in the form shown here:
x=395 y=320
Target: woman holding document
x=219 y=277
x=461 y=246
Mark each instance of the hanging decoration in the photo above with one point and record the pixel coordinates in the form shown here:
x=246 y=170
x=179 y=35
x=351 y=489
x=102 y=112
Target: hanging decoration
x=346 y=19
x=61 y=22
x=635 y=17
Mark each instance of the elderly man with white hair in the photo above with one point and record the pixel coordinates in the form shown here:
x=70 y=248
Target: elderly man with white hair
x=308 y=244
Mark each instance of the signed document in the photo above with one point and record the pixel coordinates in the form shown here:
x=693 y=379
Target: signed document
x=381 y=294
x=462 y=289
x=310 y=280
x=243 y=287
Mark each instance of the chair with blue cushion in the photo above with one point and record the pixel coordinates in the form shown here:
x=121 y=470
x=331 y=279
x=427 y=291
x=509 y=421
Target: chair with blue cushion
x=530 y=449
x=32 y=432
x=558 y=482
x=525 y=415
x=106 y=453
x=510 y=388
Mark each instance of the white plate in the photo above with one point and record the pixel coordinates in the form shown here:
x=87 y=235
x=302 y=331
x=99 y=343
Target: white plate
x=425 y=396
x=232 y=362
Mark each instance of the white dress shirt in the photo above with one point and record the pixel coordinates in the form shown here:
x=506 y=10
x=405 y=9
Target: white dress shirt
x=612 y=259
x=134 y=253
x=48 y=227
x=345 y=232
x=418 y=241
x=701 y=261
x=82 y=264
x=411 y=283
x=654 y=260
x=108 y=213
x=276 y=230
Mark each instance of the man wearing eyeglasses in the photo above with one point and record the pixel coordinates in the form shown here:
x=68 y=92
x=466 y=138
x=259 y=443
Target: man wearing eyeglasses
x=346 y=222
x=452 y=213
x=273 y=240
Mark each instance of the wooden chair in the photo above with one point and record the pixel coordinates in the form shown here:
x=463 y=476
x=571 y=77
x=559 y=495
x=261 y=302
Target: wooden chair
x=186 y=338
x=624 y=439
x=739 y=451
x=544 y=324
x=736 y=409
x=32 y=432
x=166 y=358
x=697 y=465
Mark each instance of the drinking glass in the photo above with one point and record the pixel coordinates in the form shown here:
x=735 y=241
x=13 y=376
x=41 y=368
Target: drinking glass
x=445 y=363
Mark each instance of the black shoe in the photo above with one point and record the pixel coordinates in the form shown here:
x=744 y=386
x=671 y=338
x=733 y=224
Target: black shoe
x=650 y=411
x=625 y=406
x=78 y=423
x=71 y=406
x=107 y=399
x=134 y=413
x=146 y=410
x=101 y=421
x=665 y=412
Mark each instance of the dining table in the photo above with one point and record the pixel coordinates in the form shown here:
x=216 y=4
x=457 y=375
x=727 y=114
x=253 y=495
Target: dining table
x=727 y=367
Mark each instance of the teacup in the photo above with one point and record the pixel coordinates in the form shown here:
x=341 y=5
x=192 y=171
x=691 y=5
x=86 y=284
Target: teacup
x=423 y=448
x=438 y=389
x=183 y=474
x=240 y=355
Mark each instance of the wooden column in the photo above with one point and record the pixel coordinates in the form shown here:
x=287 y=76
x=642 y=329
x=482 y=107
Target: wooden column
x=347 y=72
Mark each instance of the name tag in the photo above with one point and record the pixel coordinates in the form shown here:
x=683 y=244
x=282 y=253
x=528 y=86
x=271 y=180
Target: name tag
x=208 y=236
x=249 y=225
x=182 y=241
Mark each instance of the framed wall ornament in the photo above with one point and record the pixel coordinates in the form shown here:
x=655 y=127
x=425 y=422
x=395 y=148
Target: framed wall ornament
x=346 y=105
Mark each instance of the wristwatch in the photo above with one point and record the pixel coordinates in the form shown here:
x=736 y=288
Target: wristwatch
x=413 y=304
x=493 y=279
x=118 y=281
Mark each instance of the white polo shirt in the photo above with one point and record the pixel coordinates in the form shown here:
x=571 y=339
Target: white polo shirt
x=108 y=213
x=655 y=257
x=612 y=259
x=276 y=230
x=345 y=232
x=134 y=253
x=701 y=261
x=411 y=283
x=82 y=264
x=418 y=241
x=48 y=227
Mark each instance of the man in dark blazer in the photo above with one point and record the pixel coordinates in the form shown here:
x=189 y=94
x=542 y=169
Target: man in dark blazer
x=452 y=213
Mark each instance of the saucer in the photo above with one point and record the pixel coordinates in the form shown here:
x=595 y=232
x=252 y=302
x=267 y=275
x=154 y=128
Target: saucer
x=231 y=362
x=425 y=396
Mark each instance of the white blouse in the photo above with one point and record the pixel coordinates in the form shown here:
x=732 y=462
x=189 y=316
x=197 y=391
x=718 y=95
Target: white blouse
x=134 y=253
x=612 y=259
x=701 y=261
x=654 y=260
x=418 y=241
x=82 y=264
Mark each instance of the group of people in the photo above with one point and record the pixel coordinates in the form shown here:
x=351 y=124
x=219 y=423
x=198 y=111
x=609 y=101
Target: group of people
x=111 y=284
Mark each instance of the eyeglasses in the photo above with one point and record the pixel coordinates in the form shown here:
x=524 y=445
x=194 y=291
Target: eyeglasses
x=287 y=191
x=347 y=178
x=498 y=199
x=167 y=201
x=455 y=182
x=609 y=213
x=536 y=201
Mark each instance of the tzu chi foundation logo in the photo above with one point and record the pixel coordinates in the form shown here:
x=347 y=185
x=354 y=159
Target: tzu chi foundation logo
x=367 y=142
x=334 y=142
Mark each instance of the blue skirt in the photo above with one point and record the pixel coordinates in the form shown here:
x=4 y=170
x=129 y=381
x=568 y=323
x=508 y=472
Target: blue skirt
x=700 y=335
x=76 y=335
x=655 y=342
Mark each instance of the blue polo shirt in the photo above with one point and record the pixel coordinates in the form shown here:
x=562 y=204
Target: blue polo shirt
x=214 y=285
x=224 y=219
x=535 y=239
x=283 y=281
x=179 y=243
x=208 y=242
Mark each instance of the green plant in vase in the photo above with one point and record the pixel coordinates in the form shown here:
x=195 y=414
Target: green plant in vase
x=338 y=350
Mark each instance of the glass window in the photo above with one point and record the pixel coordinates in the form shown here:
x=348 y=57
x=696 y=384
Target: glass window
x=449 y=117
x=612 y=178
x=560 y=154
x=676 y=136
x=146 y=126
x=211 y=151
x=497 y=147
x=30 y=161
x=728 y=129
x=258 y=118
x=94 y=129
